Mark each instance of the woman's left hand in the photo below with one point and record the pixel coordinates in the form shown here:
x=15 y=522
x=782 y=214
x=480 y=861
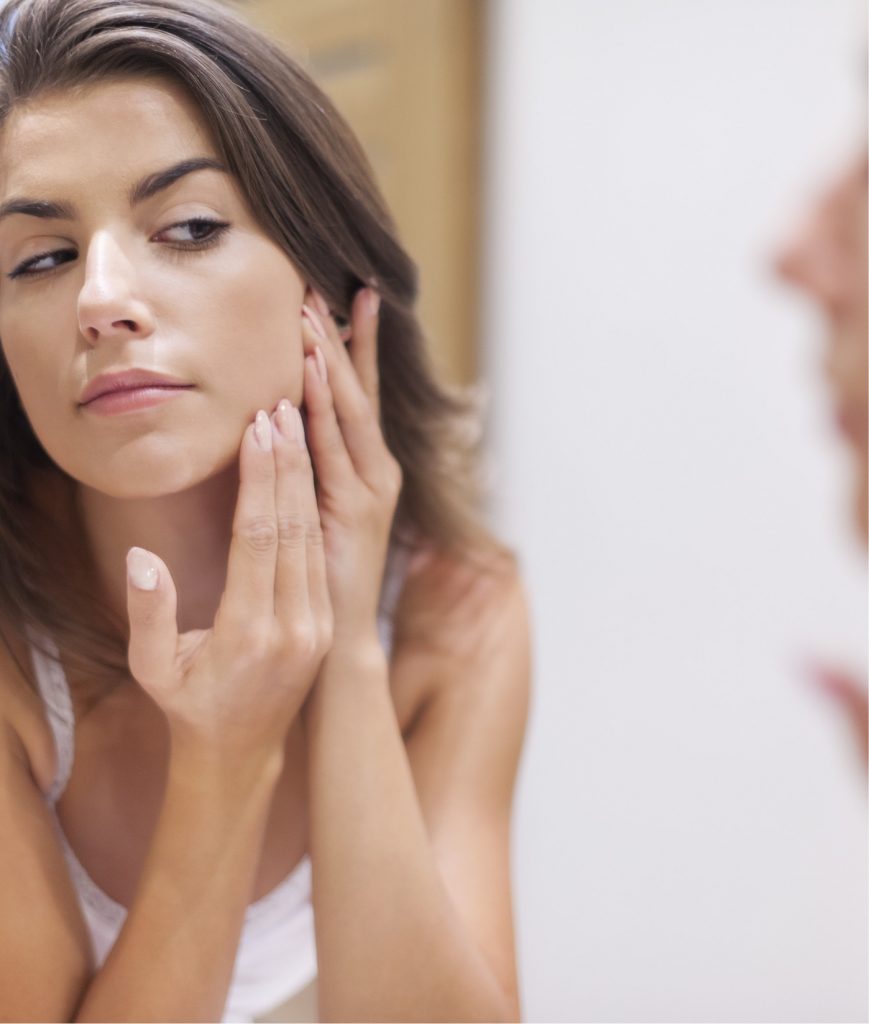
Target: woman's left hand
x=358 y=478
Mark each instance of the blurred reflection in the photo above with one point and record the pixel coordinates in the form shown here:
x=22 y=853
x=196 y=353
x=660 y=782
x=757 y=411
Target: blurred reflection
x=827 y=259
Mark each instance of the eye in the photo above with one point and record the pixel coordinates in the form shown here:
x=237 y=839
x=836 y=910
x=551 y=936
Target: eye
x=200 y=231
x=38 y=264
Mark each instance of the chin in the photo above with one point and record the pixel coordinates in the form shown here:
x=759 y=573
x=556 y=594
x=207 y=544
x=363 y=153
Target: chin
x=146 y=475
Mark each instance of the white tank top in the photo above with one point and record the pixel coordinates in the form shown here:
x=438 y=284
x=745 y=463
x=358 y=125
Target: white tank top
x=276 y=955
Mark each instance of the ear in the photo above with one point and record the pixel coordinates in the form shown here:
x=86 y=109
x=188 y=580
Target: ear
x=341 y=323
x=344 y=330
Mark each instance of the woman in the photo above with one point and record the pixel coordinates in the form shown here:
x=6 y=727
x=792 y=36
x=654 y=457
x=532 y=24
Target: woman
x=827 y=260
x=237 y=714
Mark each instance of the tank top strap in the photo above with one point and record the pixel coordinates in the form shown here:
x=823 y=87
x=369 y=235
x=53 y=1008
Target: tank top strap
x=393 y=581
x=54 y=690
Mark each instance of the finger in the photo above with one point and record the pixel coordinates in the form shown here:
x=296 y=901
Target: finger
x=151 y=608
x=318 y=585
x=331 y=459
x=322 y=307
x=250 y=578
x=355 y=416
x=300 y=581
x=318 y=580
x=364 y=323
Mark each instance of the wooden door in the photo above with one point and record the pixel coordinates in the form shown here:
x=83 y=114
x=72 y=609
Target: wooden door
x=406 y=75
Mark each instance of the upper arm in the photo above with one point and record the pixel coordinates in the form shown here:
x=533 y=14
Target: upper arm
x=46 y=961
x=464 y=750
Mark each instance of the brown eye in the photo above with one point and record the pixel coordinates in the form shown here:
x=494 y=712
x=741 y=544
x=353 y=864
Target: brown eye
x=200 y=231
x=37 y=265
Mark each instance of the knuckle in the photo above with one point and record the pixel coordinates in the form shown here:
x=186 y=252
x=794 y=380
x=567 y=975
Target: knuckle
x=259 y=534
x=314 y=534
x=390 y=476
x=301 y=636
x=292 y=530
x=257 y=642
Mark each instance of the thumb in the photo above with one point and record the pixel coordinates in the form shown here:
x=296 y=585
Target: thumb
x=151 y=608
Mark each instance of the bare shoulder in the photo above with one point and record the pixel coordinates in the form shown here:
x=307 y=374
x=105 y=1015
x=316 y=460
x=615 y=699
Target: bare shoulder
x=459 y=598
x=469 y=639
x=459 y=621
x=21 y=709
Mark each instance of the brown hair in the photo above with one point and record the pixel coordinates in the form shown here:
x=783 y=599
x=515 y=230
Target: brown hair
x=310 y=187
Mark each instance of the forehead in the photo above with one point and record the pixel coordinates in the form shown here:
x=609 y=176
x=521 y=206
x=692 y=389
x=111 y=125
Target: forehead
x=92 y=136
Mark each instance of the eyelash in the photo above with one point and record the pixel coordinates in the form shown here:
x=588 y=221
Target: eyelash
x=219 y=228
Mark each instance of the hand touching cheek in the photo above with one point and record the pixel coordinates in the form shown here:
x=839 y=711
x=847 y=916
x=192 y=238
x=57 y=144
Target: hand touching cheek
x=359 y=480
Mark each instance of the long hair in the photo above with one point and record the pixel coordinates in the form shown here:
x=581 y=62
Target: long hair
x=311 y=189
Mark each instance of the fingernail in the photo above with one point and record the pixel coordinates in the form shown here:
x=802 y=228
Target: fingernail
x=262 y=429
x=373 y=302
x=142 y=569
x=282 y=418
x=321 y=364
x=315 y=322
x=321 y=303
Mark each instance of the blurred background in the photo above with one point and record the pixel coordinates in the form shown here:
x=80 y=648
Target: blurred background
x=594 y=190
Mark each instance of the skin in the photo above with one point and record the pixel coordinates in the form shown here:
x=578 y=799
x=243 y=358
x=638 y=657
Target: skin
x=826 y=258
x=166 y=479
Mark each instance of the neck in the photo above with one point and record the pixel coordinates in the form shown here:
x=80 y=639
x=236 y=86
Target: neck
x=190 y=531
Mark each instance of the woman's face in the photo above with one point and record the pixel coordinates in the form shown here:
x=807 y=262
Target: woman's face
x=111 y=280
x=827 y=259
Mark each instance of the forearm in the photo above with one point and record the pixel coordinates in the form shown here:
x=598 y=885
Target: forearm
x=174 y=956
x=390 y=944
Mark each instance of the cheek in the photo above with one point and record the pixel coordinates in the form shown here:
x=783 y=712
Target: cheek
x=36 y=360
x=253 y=328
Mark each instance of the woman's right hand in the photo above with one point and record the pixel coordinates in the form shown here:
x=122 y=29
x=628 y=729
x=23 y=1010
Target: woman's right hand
x=237 y=686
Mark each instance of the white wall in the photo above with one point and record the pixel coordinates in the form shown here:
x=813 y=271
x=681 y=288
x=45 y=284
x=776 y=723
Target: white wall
x=690 y=832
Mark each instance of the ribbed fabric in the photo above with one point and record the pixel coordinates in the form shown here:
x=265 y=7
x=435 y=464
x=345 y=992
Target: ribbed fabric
x=277 y=954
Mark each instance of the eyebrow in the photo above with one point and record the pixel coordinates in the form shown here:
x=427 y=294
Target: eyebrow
x=142 y=190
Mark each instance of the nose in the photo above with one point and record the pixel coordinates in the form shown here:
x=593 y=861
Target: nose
x=108 y=303
x=817 y=258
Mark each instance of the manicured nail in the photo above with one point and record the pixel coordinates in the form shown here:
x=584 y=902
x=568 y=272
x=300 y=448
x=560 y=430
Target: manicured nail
x=282 y=418
x=321 y=304
x=372 y=301
x=262 y=428
x=321 y=364
x=142 y=570
x=315 y=322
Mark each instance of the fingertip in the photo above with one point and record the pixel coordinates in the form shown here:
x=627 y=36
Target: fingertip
x=143 y=572
x=262 y=430
x=366 y=302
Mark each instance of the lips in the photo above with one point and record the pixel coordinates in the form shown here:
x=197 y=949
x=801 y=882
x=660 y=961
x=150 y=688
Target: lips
x=129 y=380
x=852 y=425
